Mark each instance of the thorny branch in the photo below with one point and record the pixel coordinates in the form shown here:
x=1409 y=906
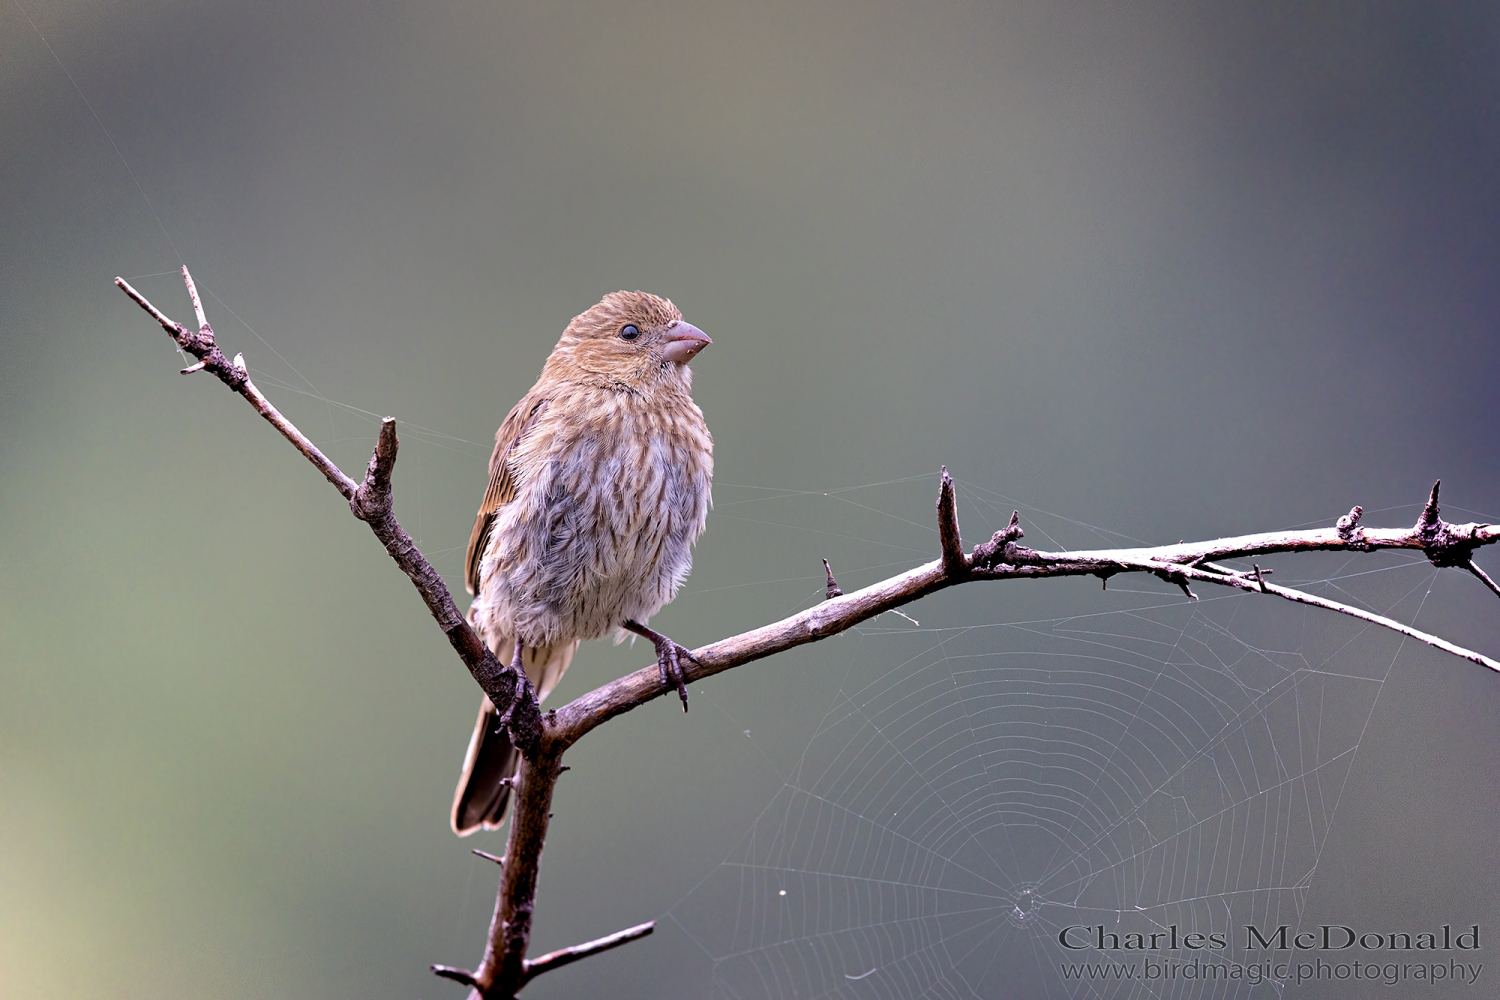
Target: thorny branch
x=543 y=739
x=371 y=502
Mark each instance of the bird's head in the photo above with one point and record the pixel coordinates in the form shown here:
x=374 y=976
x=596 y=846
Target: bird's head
x=632 y=341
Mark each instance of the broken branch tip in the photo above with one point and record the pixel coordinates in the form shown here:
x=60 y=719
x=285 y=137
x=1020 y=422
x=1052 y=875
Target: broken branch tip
x=834 y=590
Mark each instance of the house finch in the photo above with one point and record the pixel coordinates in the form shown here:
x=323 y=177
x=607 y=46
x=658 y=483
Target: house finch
x=599 y=485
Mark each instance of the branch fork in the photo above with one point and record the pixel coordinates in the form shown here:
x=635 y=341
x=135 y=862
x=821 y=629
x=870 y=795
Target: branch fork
x=200 y=343
x=1446 y=544
x=531 y=968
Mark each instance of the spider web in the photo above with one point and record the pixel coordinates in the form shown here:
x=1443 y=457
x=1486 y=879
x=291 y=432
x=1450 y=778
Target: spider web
x=975 y=789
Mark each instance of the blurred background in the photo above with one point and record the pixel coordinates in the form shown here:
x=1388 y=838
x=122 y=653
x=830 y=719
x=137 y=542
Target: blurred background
x=1174 y=271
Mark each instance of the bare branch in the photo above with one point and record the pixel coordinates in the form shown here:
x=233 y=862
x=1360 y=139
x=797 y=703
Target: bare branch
x=544 y=739
x=565 y=956
x=371 y=502
x=1002 y=559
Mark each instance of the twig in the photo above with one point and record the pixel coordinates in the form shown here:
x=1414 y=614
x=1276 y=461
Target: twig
x=565 y=956
x=457 y=975
x=1253 y=582
x=1483 y=576
x=202 y=346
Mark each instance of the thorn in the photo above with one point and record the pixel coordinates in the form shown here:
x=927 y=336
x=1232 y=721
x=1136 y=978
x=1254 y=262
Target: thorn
x=195 y=368
x=1260 y=577
x=239 y=362
x=1444 y=544
x=507 y=782
x=458 y=975
x=486 y=855
x=1430 y=520
x=565 y=767
x=1169 y=576
x=834 y=590
x=1483 y=577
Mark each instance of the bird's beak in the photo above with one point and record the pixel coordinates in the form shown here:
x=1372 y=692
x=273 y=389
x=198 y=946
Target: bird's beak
x=683 y=341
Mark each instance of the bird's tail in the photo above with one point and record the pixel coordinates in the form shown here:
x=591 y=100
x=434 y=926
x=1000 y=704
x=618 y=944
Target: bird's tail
x=483 y=788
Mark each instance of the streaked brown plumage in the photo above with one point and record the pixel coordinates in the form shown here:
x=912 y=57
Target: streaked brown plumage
x=599 y=485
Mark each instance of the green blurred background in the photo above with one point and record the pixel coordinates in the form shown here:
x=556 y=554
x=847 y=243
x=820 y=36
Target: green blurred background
x=1174 y=270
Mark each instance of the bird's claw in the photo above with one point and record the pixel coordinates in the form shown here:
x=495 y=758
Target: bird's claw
x=669 y=661
x=669 y=657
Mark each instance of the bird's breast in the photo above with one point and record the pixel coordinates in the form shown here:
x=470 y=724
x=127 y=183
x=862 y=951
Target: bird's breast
x=612 y=491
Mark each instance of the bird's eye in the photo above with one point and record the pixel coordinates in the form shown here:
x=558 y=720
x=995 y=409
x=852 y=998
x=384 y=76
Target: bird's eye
x=629 y=332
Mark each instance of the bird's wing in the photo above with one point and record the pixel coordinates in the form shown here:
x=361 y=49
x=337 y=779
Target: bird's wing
x=502 y=487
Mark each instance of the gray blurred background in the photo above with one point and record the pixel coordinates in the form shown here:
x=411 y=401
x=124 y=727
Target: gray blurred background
x=1176 y=271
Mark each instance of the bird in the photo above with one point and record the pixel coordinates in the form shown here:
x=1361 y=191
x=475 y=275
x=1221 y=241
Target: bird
x=600 y=484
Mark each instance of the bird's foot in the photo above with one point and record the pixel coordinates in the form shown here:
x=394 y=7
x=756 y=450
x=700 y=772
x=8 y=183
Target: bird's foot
x=669 y=657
